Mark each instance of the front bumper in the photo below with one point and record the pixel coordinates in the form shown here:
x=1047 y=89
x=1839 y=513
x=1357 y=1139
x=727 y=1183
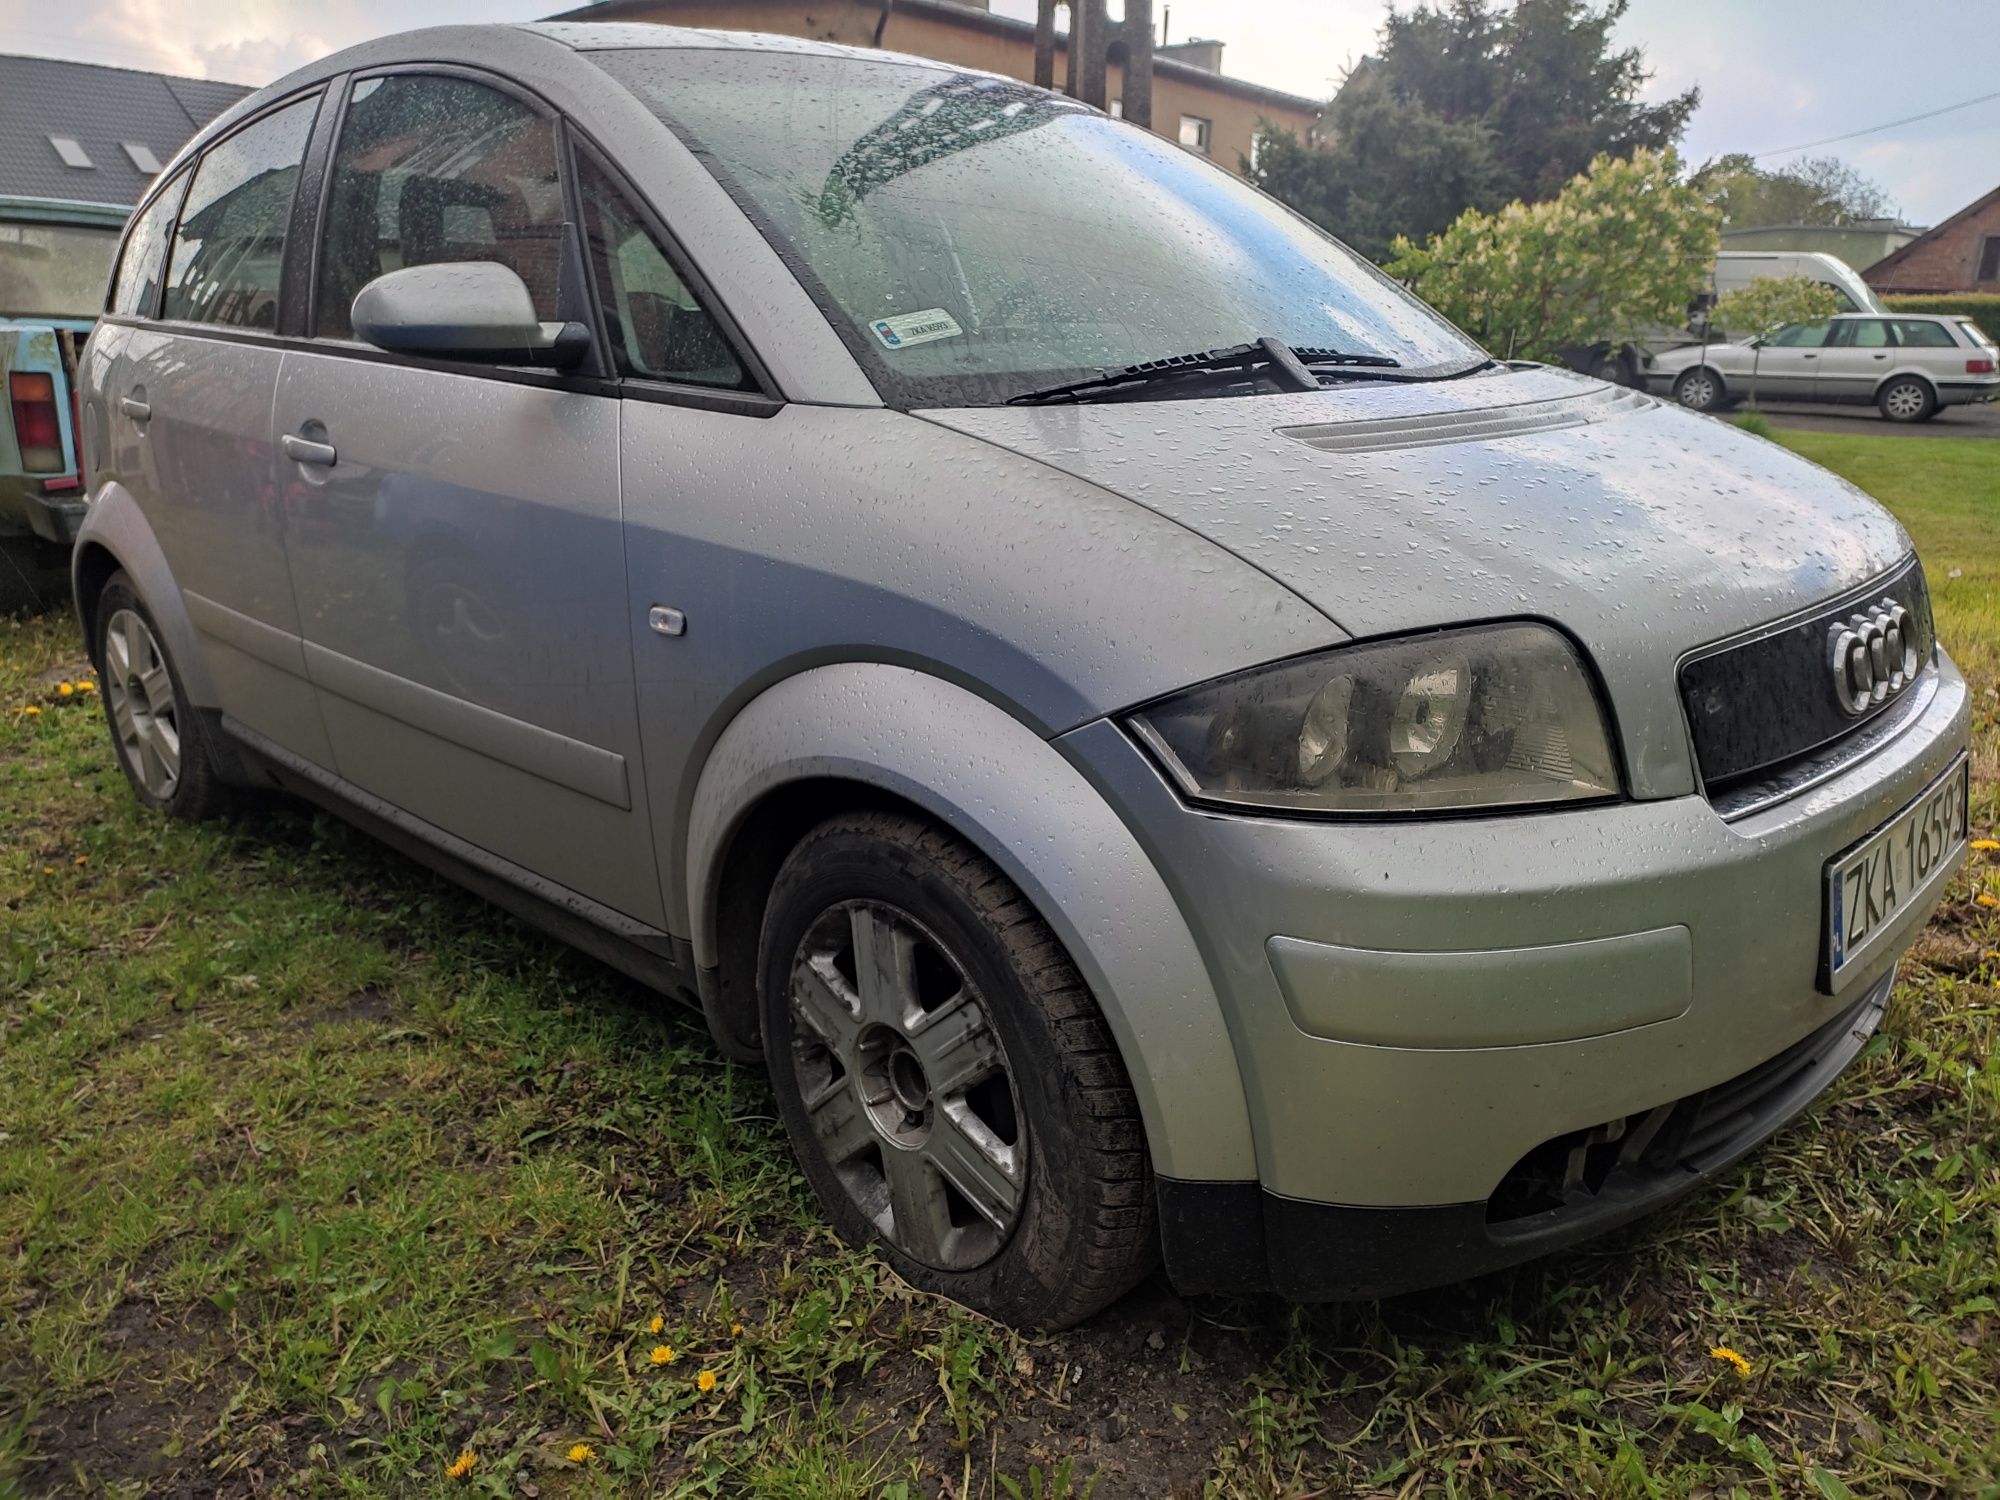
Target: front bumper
x=1418 y=1008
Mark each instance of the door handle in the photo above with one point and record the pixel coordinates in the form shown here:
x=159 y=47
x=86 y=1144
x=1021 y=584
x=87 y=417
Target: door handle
x=134 y=408
x=1881 y=356
x=305 y=451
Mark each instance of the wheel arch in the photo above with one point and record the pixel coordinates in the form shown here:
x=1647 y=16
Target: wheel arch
x=116 y=537
x=1922 y=378
x=851 y=735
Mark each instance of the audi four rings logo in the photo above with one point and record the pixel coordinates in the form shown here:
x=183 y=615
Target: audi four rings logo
x=1874 y=656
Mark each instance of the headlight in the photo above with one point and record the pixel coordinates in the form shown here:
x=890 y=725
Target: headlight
x=1494 y=716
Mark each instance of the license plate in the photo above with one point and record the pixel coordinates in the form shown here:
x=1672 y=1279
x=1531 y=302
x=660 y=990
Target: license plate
x=1873 y=883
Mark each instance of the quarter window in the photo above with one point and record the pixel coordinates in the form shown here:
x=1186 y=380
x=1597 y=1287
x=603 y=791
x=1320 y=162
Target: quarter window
x=1921 y=333
x=230 y=243
x=658 y=330
x=433 y=169
x=137 y=289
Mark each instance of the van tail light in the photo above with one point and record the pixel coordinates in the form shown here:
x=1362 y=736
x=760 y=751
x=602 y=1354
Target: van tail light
x=1979 y=367
x=37 y=431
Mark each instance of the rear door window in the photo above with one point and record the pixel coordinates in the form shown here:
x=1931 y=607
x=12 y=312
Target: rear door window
x=229 y=246
x=1802 y=335
x=433 y=168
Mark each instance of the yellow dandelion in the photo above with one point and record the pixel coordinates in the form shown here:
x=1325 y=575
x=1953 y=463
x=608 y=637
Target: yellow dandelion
x=82 y=859
x=658 y=1325
x=32 y=712
x=1728 y=1356
x=48 y=869
x=663 y=1354
x=581 y=1453
x=1986 y=898
x=86 y=687
x=65 y=690
x=736 y=1330
x=705 y=1381
x=1985 y=846
x=463 y=1465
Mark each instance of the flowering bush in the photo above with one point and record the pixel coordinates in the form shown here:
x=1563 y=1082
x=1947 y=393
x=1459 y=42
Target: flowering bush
x=1626 y=245
x=1771 y=302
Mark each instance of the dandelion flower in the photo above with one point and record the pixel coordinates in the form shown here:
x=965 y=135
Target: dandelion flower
x=32 y=711
x=1985 y=846
x=1729 y=1356
x=658 y=1325
x=581 y=1453
x=462 y=1466
x=705 y=1381
x=65 y=690
x=91 y=687
x=1986 y=898
x=663 y=1354
x=736 y=1330
x=82 y=860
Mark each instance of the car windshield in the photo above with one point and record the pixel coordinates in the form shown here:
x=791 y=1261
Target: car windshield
x=972 y=238
x=54 y=270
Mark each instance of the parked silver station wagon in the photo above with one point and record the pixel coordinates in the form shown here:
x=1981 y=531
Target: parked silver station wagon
x=1160 y=746
x=1909 y=366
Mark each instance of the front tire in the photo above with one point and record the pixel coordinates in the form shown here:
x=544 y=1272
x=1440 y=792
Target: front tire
x=950 y=1088
x=1700 y=389
x=1907 y=399
x=160 y=740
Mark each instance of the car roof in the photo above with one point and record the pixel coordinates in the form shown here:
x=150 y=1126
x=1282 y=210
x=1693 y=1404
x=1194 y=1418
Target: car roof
x=618 y=36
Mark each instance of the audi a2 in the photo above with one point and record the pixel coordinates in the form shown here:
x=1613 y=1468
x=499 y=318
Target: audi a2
x=1162 y=747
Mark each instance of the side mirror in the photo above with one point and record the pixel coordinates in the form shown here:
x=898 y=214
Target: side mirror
x=477 y=311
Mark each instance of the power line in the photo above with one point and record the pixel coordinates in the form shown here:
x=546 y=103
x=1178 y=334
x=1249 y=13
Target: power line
x=1930 y=114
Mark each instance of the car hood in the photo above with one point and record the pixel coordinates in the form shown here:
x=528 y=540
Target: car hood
x=1642 y=529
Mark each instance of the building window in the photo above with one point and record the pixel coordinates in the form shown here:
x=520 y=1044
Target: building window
x=1195 y=133
x=1989 y=259
x=1117 y=109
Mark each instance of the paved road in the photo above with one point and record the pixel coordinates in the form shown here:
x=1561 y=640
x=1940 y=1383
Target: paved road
x=1981 y=421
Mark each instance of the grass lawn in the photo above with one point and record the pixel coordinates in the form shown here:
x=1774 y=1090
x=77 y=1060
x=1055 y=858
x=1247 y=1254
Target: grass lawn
x=316 y=1174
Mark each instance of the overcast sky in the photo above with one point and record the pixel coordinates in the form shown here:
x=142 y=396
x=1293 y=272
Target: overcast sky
x=1773 y=73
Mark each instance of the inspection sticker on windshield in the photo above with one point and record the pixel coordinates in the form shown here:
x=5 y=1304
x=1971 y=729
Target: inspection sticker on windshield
x=906 y=329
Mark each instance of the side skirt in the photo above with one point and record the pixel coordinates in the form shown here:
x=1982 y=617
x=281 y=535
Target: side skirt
x=654 y=958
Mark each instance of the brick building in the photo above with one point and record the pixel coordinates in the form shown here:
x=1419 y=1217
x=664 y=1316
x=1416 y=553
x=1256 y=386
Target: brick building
x=1961 y=255
x=1194 y=101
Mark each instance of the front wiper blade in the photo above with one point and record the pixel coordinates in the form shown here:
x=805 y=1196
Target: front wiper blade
x=1266 y=353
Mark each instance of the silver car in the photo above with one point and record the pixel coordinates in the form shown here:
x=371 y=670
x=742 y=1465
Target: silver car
x=1908 y=365
x=1159 y=745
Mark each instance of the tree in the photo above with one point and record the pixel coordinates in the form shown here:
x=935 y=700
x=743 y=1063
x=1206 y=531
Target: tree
x=1820 y=190
x=1771 y=302
x=1470 y=105
x=1626 y=245
x=1400 y=166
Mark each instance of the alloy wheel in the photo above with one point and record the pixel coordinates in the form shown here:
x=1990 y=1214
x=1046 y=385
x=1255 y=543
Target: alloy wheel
x=1904 y=401
x=907 y=1086
x=140 y=694
x=1697 y=392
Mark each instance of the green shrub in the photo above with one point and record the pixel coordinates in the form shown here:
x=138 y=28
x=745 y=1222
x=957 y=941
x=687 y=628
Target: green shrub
x=1755 y=423
x=1982 y=307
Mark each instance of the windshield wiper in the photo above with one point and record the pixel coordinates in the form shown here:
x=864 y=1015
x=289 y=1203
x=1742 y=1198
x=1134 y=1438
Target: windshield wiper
x=1287 y=366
